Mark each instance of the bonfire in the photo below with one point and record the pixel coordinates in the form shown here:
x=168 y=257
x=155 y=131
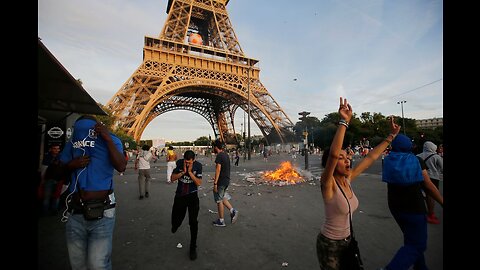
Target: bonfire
x=285 y=175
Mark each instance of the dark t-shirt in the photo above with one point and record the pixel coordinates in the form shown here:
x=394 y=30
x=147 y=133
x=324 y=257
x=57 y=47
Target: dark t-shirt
x=407 y=199
x=185 y=184
x=223 y=159
x=54 y=170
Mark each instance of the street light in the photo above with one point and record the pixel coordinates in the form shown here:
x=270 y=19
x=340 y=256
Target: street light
x=404 y=127
x=305 y=133
x=244 y=145
x=248 y=89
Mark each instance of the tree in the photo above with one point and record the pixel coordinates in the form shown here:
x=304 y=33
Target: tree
x=109 y=120
x=202 y=141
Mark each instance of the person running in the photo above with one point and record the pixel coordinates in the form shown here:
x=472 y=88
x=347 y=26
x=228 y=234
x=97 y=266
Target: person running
x=220 y=185
x=336 y=179
x=188 y=172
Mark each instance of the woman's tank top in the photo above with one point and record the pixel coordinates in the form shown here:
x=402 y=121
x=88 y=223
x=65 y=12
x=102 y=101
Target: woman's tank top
x=337 y=223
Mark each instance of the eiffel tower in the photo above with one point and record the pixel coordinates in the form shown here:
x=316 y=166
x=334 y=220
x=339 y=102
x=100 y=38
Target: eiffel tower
x=197 y=64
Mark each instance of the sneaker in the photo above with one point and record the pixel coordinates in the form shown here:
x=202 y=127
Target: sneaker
x=218 y=223
x=146 y=194
x=234 y=216
x=432 y=219
x=193 y=254
x=141 y=197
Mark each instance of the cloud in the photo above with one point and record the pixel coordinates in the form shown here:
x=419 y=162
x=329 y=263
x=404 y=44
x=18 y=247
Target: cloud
x=372 y=52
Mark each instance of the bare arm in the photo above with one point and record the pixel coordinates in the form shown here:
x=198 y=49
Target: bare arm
x=176 y=176
x=327 y=180
x=116 y=157
x=431 y=189
x=376 y=152
x=218 y=168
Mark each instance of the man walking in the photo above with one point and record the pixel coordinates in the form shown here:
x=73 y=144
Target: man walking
x=220 y=185
x=92 y=154
x=142 y=164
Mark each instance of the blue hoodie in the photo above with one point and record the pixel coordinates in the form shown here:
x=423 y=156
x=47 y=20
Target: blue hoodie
x=401 y=166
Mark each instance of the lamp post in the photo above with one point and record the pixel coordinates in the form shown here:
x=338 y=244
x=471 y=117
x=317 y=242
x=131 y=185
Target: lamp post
x=313 y=141
x=244 y=146
x=403 y=118
x=305 y=133
x=248 y=89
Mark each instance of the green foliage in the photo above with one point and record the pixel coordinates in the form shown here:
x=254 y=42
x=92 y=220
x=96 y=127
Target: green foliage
x=109 y=120
x=372 y=126
x=132 y=144
x=202 y=141
x=184 y=143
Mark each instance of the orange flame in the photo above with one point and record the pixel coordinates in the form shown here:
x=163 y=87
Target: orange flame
x=285 y=173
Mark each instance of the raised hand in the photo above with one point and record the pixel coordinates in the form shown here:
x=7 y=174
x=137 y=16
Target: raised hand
x=395 y=128
x=345 y=111
x=103 y=131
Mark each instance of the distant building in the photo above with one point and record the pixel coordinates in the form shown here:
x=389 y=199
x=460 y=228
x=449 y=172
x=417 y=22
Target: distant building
x=430 y=123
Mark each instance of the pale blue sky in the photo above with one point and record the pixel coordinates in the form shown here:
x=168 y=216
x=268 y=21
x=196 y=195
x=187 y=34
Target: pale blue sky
x=375 y=53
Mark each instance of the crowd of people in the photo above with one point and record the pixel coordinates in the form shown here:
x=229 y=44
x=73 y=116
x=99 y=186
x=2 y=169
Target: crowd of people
x=83 y=173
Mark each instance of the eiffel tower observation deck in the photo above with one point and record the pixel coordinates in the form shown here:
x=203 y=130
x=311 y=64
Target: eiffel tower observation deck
x=197 y=64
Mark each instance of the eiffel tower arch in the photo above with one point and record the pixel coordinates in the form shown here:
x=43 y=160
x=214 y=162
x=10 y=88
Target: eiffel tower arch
x=197 y=64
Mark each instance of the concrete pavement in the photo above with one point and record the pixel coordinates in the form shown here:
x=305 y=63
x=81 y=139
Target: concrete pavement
x=276 y=226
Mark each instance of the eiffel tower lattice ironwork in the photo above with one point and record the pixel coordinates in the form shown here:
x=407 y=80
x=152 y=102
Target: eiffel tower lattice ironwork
x=197 y=64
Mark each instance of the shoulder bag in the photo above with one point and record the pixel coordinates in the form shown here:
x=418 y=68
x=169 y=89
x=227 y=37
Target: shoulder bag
x=350 y=258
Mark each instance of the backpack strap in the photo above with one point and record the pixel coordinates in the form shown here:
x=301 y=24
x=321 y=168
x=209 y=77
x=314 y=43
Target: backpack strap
x=429 y=157
x=425 y=160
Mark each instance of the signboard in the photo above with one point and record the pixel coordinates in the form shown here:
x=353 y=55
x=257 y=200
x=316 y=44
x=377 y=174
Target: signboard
x=55 y=134
x=158 y=143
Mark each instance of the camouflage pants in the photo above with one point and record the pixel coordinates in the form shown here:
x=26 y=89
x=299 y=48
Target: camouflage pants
x=328 y=251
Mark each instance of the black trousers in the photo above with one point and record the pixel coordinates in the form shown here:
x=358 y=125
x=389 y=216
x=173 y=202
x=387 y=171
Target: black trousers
x=180 y=206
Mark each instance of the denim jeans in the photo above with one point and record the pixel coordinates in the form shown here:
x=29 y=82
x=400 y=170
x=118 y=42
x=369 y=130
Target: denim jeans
x=89 y=243
x=49 y=200
x=414 y=228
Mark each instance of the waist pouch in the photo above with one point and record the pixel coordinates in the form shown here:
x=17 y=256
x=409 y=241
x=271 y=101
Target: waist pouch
x=92 y=209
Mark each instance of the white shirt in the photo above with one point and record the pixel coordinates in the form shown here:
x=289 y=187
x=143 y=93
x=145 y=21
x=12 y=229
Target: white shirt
x=144 y=160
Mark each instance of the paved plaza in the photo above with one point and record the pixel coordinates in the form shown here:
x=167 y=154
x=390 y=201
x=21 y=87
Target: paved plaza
x=276 y=229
